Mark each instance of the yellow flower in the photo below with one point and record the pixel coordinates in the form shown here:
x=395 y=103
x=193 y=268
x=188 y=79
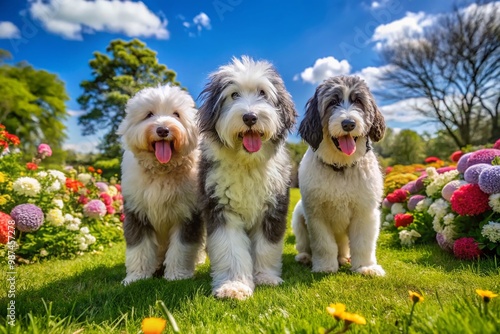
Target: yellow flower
x=336 y=310
x=486 y=295
x=2 y=177
x=353 y=318
x=153 y=325
x=416 y=297
x=4 y=199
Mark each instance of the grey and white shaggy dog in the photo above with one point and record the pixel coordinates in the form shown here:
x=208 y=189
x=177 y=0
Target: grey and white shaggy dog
x=340 y=180
x=160 y=184
x=244 y=174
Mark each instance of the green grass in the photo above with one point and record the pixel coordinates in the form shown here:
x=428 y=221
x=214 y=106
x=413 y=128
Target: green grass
x=85 y=296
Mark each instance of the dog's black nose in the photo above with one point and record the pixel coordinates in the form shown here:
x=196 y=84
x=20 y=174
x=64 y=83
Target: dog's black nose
x=162 y=131
x=348 y=125
x=250 y=118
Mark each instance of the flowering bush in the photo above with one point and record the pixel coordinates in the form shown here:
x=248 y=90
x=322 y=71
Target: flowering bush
x=46 y=205
x=457 y=207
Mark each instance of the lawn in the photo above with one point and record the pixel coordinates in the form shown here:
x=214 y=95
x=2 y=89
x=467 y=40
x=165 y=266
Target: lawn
x=85 y=296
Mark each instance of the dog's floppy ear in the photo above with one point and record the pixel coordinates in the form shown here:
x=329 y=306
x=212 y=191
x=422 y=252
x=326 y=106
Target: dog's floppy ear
x=377 y=130
x=212 y=98
x=310 y=128
x=285 y=102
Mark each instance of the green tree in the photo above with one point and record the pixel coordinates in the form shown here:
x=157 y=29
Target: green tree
x=32 y=106
x=408 y=148
x=129 y=67
x=384 y=147
x=439 y=145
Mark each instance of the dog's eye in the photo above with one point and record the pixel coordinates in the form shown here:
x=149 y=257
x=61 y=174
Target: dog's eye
x=176 y=114
x=262 y=93
x=334 y=103
x=235 y=95
x=150 y=114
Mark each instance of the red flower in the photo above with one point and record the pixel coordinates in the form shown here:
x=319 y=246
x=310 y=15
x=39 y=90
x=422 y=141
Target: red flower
x=431 y=160
x=4 y=227
x=398 y=196
x=73 y=185
x=14 y=140
x=83 y=199
x=122 y=217
x=388 y=169
x=469 y=200
x=403 y=219
x=497 y=144
x=466 y=249
x=4 y=144
x=110 y=209
x=99 y=171
x=455 y=156
x=32 y=166
x=119 y=187
x=91 y=169
x=106 y=198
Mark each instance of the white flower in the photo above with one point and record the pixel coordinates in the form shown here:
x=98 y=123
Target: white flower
x=58 y=175
x=55 y=217
x=491 y=231
x=440 y=181
x=431 y=172
x=80 y=239
x=43 y=252
x=42 y=174
x=423 y=204
x=27 y=186
x=55 y=186
x=397 y=208
x=69 y=218
x=73 y=227
x=439 y=208
x=448 y=219
x=58 y=203
x=85 y=230
x=449 y=233
x=77 y=221
x=408 y=237
x=389 y=217
x=83 y=246
x=84 y=178
x=82 y=191
x=495 y=202
x=90 y=239
x=112 y=191
x=386 y=224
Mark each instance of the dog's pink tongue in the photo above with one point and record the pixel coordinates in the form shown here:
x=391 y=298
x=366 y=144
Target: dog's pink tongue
x=347 y=144
x=251 y=141
x=163 y=151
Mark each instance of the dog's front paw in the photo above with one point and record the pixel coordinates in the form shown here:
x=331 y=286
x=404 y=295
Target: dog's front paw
x=177 y=275
x=234 y=290
x=134 y=277
x=373 y=270
x=344 y=260
x=267 y=279
x=304 y=258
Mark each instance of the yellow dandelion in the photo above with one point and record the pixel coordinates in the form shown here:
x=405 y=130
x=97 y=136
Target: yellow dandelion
x=486 y=295
x=153 y=325
x=416 y=297
x=353 y=318
x=336 y=310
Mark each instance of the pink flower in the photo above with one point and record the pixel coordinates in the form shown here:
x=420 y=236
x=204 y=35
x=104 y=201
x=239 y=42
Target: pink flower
x=445 y=169
x=484 y=156
x=110 y=209
x=83 y=199
x=106 y=198
x=466 y=249
x=94 y=209
x=122 y=217
x=497 y=144
x=469 y=200
x=44 y=150
x=4 y=227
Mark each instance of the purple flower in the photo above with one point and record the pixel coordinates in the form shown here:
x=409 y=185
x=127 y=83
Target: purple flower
x=410 y=187
x=94 y=209
x=445 y=245
x=450 y=188
x=471 y=175
x=44 y=150
x=419 y=183
x=103 y=187
x=489 y=180
x=28 y=217
x=386 y=204
x=484 y=156
x=413 y=201
x=462 y=162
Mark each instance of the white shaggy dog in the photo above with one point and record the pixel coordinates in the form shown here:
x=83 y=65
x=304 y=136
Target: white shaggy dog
x=244 y=174
x=339 y=178
x=159 y=183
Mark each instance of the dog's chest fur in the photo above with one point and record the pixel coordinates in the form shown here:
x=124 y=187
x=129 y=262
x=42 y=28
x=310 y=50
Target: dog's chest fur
x=247 y=185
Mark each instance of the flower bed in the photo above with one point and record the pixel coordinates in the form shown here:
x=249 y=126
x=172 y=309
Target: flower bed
x=456 y=206
x=55 y=213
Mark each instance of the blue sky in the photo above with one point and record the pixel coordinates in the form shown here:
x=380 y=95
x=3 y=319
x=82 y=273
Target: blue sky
x=305 y=40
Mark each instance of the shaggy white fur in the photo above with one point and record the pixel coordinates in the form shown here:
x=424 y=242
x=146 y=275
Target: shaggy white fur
x=159 y=183
x=340 y=181
x=244 y=175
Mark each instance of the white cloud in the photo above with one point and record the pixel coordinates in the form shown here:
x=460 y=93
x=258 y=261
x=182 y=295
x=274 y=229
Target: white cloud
x=75 y=113
x=70 y=18
x=372 y=76
x=405 y=111
x=412 y=25
x=9 y=30
x=324 y=68
x=82 y=147
x=202 y=21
